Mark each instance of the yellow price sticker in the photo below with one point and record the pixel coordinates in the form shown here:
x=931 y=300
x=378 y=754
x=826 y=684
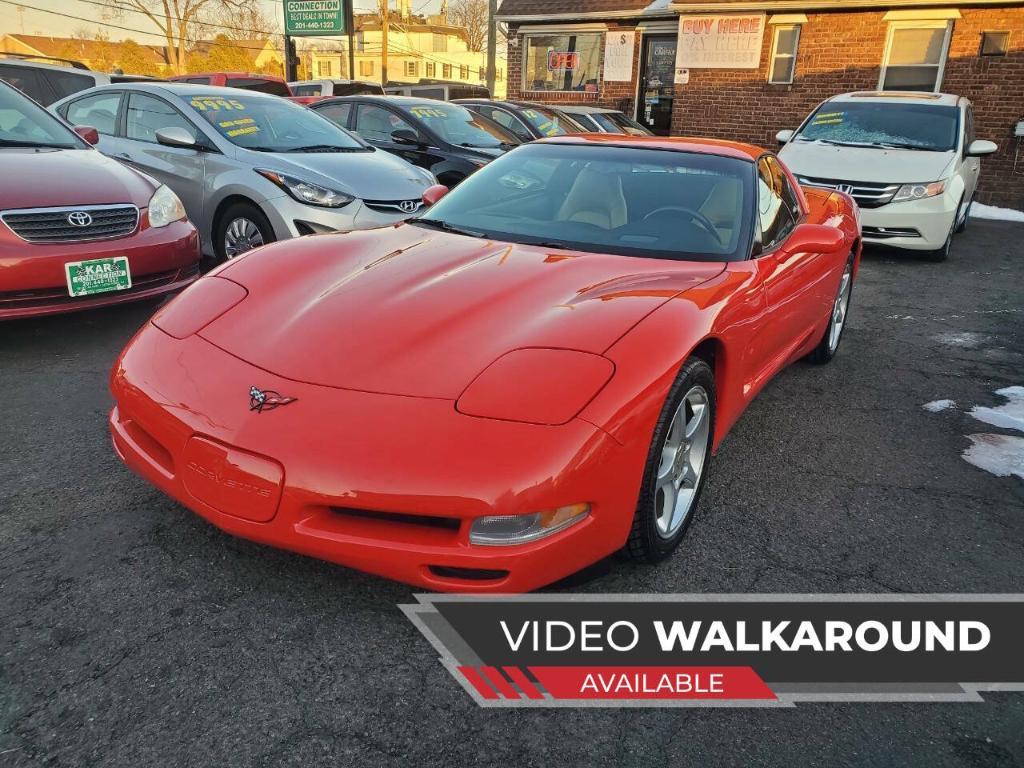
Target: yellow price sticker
x=215 y=103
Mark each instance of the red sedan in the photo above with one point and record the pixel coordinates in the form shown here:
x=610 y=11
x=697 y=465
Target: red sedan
x=530 y=376
x=77 y=229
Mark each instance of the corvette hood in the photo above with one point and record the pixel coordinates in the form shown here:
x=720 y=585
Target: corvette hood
x=413 y=311
x=885 y=166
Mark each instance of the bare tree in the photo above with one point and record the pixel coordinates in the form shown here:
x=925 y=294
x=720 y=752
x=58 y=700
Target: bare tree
x=247 y=21
x=472 y=15
x=175 y=20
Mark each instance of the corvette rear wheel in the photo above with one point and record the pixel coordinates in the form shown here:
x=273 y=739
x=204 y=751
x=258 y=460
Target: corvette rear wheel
x=829 y=344
x=677 y=465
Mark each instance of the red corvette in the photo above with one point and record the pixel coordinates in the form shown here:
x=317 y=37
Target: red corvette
x=529 y=377
x=77 y=229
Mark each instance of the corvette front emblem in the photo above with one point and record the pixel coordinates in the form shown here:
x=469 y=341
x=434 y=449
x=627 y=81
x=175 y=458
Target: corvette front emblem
x=266 y=399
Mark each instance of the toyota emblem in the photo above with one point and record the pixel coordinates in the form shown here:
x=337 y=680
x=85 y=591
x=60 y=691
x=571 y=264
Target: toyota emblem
x=79 y=219
x=409 y=206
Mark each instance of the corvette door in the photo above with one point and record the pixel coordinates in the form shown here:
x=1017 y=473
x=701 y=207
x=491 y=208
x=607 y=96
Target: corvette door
x=796 y=283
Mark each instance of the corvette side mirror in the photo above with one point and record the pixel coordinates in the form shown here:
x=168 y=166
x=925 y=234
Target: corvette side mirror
x=784 y=137
x=432 y=194
x=88 y=134
x=814 y=237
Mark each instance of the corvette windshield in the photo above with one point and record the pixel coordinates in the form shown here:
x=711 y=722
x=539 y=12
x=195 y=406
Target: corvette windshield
x=885 y=125
x=628 y=201
x=271 y=124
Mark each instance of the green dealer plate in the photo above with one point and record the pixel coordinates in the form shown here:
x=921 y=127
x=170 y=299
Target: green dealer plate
x=98 y=276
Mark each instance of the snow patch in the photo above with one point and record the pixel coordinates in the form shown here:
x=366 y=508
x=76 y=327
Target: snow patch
x=939 y=405
x=979 y=211
x=1008 y=416
x=962 y=339
x=1002 y=455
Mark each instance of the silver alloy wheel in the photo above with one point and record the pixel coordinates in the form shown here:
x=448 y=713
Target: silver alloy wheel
x=682 y=461
x=241 y=235
x=842 y=303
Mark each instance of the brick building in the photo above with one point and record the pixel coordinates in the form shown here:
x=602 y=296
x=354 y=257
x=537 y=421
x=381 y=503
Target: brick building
x=744 y=70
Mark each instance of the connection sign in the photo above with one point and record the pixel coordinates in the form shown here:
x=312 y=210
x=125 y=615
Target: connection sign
x=315 y=17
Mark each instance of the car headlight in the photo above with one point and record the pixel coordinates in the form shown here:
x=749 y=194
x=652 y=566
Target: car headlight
x=165 y=207
x=537 y=386
x=306 y=191
x=919 y=191
x=507 y=530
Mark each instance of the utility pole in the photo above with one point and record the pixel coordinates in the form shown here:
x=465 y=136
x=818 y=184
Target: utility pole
x=492 y=44
x=384 y=43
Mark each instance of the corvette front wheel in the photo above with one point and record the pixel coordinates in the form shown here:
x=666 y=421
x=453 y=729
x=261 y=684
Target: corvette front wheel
x=676 y=466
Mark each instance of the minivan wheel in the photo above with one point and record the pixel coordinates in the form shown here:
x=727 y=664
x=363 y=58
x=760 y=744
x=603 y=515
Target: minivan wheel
x=241 y=228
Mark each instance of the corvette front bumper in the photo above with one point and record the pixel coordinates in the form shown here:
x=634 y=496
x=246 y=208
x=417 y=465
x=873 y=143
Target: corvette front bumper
x=382 y=483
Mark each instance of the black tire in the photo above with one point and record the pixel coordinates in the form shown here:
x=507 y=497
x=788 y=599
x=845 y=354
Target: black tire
x=646 y=543
x=961 y=224
x=942 y=253
x=825 y=351
x=234 y=212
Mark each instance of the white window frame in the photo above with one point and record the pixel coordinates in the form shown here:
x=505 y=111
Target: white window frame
x=777 y=28
x=946 y=24
x=580 y=29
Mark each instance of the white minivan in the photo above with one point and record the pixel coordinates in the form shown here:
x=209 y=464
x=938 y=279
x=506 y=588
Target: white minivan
x=910 y=160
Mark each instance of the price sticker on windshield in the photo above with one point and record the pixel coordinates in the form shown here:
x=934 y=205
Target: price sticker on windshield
x=828 y=118
x=215 y=103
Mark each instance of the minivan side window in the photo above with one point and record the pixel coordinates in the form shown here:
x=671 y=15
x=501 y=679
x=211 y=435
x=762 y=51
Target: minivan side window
x=99 y=111
x=67 y=83
x=774 y=212
x=27 y=81
x=968 y=129
x=147 y=115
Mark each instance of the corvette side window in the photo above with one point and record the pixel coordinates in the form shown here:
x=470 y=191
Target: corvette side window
x=789 y=194
x=774 y=214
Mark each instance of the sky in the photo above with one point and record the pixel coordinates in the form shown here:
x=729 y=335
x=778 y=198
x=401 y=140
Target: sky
x=89 y=16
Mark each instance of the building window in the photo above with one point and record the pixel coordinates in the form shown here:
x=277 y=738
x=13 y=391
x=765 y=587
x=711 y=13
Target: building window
x=464 y=72
x=446 y=71
x=325 y=68
x=412 y=69
x=785 y=42
x=366 y=68
x=482 y=73
x=431 y=69
x=995 y=43
x=915 y=55
x=440 y=43
x=562 y=62
x=497 y=73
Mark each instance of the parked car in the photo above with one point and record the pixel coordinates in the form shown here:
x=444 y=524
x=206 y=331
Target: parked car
x=565 y=339
x=527 y=120
x=603 y=120
x=275 y=86
x=308 y=91
x=910 y=160
x=250 y=168
x=77 y=229
x=446 y=139
x=46 y=82
x=442 y=90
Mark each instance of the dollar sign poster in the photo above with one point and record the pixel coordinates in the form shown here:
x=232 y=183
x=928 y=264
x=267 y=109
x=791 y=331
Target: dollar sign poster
x=618 y=56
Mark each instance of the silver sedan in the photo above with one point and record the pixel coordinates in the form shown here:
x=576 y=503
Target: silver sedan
x=249 y=167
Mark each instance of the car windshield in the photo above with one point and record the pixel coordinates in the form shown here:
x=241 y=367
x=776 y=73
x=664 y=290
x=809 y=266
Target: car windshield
x=885 y=125
x=270 y=124
x=619 y=200
x=25 y=124
x=548 y=122
x=459 y=126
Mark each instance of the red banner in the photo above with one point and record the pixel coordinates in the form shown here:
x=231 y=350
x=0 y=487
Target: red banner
x=652 y=682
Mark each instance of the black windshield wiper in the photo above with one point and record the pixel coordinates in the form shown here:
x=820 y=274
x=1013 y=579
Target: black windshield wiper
x=33 y=144
x=326 y=148
x=900 y=145
x=445 y=226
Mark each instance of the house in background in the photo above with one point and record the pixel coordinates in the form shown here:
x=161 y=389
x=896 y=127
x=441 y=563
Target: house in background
x=418 y=49
x=258 y=55
x=98 y=55
x=744 y=70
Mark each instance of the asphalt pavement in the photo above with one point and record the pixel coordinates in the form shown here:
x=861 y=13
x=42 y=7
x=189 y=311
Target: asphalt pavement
x=132 y=633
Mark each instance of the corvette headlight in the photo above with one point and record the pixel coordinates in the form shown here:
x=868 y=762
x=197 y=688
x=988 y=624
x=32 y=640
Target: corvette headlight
x=536 y=386
x=165 y=207
x=306 y=191
x=507 y=530
x=919 y=191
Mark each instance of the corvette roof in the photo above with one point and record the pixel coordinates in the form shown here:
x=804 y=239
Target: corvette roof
x=734 y=149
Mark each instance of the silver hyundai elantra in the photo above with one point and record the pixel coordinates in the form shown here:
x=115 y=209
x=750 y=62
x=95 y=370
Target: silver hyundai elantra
x=249 y=167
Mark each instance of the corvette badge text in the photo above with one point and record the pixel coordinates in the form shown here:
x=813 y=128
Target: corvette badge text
x=725 y=650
